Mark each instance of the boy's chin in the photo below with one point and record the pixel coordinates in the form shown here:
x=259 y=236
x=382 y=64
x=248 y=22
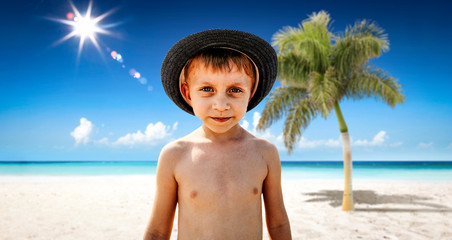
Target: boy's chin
x=221 y=129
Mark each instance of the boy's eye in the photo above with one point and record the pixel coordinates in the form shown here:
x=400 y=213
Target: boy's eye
x=235 y=90
x=207 y=89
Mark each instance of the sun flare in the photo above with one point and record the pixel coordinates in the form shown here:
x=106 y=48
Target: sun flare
x=83 y=26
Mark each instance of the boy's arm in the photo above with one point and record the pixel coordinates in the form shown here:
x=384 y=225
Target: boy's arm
x=165 y=200
x=275 y=213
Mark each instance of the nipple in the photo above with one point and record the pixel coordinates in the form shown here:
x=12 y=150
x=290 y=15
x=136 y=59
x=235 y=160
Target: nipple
x=193 y=194
x=255 y=191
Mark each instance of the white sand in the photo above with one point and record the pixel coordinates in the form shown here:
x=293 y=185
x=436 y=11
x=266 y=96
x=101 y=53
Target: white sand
x=118 y=207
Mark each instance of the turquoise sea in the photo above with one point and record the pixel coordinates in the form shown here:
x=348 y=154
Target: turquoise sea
x=381 y=170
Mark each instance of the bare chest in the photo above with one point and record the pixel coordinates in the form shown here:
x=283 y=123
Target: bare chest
x=209 y=178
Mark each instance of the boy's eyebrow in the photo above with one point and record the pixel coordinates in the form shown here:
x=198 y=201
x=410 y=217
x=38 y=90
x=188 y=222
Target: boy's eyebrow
x=230 y=82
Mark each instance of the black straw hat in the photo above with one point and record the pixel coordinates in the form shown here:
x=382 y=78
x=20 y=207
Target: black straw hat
x=254 y=47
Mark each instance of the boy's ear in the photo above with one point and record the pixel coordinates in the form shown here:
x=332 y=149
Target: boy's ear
x=186 y=93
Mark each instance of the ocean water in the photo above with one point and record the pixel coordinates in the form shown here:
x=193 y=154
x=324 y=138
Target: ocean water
x=381 y=170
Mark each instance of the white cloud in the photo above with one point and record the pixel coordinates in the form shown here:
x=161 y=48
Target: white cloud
x=305 y=143
x=450 y=145
x=256 y=118
x=152 y=134
x=279 y=140
x=266 y=134
x=262 y=134
x=245 y=124
x=378 y=140
x=425 y=145
x=82 y=133
x=102 y=141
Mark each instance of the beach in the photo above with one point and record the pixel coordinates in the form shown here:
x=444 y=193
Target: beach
x=118 y=207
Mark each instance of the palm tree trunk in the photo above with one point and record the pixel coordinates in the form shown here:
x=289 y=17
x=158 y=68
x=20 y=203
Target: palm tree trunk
x=347 y=200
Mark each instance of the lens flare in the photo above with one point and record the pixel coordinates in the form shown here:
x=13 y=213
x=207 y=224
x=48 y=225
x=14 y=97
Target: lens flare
x=114 y=54
x=137 y=75
x=119 y=58
x=70 y=15
x=84 y=26
x=143 y=80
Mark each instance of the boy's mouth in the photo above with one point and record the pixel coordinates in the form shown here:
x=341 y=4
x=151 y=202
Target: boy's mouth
x=221 y=119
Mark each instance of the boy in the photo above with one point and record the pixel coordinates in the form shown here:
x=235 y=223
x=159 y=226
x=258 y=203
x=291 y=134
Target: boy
x=218 y=172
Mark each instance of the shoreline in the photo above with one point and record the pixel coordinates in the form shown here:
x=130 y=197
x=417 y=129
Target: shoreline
x=379 y=170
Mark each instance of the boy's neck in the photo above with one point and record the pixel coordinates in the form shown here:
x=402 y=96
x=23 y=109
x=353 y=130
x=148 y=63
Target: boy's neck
x=232 y=134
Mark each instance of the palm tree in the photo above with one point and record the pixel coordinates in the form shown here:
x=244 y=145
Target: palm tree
x=318 y=69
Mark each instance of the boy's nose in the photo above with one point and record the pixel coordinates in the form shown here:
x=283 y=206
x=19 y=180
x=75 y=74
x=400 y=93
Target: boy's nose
x=221 y=103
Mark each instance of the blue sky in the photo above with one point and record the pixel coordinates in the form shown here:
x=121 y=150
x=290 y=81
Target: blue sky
x=57 y=106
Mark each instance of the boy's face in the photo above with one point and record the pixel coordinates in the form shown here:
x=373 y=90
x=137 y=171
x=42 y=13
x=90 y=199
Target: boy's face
x=219 y=98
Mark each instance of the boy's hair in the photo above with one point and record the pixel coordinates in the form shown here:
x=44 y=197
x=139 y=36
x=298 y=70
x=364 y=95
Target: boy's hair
x=221 y=59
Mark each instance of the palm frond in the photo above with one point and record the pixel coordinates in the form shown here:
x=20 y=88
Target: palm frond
x=361 y=42
x=324 y=90
x=298 y=119
x=375 y=82
x=318 y=52
x=322 y=18
x=311 y=41
x=293 y=67
x=279 y=101
x=286 y=37
x=365 y=28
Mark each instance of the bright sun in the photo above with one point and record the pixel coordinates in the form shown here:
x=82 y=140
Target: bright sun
x=83 y=26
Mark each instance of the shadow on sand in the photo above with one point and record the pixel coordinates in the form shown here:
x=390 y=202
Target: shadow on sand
x=371 y=198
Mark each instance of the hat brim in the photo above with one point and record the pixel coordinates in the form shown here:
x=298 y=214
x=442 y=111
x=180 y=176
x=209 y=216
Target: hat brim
x=258 y=50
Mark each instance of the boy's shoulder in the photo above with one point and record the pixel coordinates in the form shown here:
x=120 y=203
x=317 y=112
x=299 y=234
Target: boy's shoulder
x=260 y=142
x=179 y=147
x=264 y=147
x=175 y=148
x=172 y=153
